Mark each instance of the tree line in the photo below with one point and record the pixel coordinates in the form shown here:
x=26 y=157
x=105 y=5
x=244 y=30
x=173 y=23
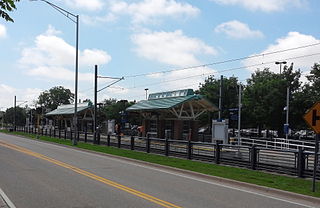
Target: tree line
x=264 y=97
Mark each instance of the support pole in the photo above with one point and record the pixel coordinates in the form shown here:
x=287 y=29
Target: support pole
x=220 y=97
x=315 y=165
x=287 y=116
x=95 y=103
x=75 y=118
x=15 y=114
x=239 y=114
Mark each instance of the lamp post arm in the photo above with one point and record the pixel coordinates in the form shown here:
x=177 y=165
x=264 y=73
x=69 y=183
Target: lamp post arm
x=62 y=11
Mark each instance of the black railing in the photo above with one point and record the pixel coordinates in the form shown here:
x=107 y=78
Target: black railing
x=291 y=162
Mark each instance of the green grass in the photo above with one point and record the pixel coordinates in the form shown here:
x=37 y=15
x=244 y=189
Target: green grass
x=287 y=183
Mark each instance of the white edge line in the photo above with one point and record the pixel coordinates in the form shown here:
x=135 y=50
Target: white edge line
x=176 y=174
x=6 y=199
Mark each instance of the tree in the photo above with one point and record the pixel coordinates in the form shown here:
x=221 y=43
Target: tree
x=210 y=89
x=20 y=116
x=314 y=79
x=264 y=97
x=52 y=98
x=7 y=6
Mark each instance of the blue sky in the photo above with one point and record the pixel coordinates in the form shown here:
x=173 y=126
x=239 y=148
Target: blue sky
x=145 y=41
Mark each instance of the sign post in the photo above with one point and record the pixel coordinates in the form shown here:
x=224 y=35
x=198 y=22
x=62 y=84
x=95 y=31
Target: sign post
x=312 y=117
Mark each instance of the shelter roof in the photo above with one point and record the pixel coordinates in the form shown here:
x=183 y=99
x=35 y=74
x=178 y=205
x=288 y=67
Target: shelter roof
x=172 y=99
x=69 y=109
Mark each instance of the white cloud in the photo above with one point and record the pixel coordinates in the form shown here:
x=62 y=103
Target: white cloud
x=151 y=10
x=3 y=31
x=91 y=5
x=237 y=30
x=172 y=48
x=264 y=5
x=292 y=40
x=52 y=56
x=7 y=92
x=92 y=20
x=189 y=78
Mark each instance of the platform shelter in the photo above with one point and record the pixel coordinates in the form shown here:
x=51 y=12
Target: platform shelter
x=63 y=116
x=172 y=114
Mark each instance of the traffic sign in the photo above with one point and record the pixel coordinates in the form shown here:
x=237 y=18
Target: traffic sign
x=312 y=117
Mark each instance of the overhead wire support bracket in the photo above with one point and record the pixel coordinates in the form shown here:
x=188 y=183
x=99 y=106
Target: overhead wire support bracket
x=119 y=79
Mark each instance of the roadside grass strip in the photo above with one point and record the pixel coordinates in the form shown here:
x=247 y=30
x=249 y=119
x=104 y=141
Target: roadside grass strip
x=282 y=182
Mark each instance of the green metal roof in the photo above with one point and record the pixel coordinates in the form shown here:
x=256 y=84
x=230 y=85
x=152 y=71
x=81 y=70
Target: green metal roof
x=167 y=103
x=69 y=109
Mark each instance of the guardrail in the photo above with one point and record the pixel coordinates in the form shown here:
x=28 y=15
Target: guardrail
x=297 y=162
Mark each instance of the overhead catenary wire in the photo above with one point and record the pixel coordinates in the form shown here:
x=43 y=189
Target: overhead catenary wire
x=225 y=61
x=220 y=71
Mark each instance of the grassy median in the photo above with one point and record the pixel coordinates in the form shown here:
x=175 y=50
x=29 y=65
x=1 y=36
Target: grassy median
x=287 y=183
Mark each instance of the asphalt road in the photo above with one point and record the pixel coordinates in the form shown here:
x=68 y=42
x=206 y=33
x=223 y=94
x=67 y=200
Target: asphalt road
x=35 y=174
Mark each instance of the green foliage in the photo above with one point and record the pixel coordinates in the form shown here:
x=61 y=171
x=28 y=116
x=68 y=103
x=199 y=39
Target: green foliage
x=113 y=109
x=52 y=98
x=20 y=116
x=210 y=89
x=264 y=97
x=7 y=6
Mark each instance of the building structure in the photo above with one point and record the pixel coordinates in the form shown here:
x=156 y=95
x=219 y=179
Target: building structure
x=62 y=117
x=172 y=114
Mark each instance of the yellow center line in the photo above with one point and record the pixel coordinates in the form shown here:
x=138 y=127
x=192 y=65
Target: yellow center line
x=91 y=175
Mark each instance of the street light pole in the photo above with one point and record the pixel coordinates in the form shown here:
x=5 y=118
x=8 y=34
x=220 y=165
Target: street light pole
x=76 y=21
x=75 y=119
x=280 y=63
x=146 y=93
x=15 y=113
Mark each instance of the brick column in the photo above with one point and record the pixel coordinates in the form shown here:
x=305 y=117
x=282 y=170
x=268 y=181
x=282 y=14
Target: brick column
x=161 y=126
x=195 y=127
x=177 y=127
x=146 y=126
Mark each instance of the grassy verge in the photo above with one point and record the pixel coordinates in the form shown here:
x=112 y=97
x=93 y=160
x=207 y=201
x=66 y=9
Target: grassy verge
x=292 y=184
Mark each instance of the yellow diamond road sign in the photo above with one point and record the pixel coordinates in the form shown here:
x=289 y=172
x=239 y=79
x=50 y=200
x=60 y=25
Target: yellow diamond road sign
x=312 y=117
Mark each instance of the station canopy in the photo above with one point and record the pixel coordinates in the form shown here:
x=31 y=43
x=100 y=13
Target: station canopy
x=69 y=109
x=179 y=104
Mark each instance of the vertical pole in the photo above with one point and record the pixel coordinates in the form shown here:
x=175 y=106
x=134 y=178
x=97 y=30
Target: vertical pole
x=220 y=97
x=148 y=144
x=253 y=152
x=287 y=114
x=167 y=146
x=108 y=140
x=132 y=143
x=15 y=112
x=239 y=114
x=119 y=141
x=217 y=152
x=315 y=165
x=75 y=119
x=95 y=103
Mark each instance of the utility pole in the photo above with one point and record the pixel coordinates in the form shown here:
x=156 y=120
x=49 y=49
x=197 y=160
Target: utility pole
x=95 y=103
x=287 y=114
x=239 y=114
x=15 y=113
x=220 y=98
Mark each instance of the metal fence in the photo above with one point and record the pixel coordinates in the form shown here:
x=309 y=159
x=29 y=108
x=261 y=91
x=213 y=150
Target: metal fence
x=297 y=162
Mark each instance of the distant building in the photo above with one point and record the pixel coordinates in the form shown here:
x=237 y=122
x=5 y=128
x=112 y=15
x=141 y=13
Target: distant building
x=172 y=114
x=62 y=117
